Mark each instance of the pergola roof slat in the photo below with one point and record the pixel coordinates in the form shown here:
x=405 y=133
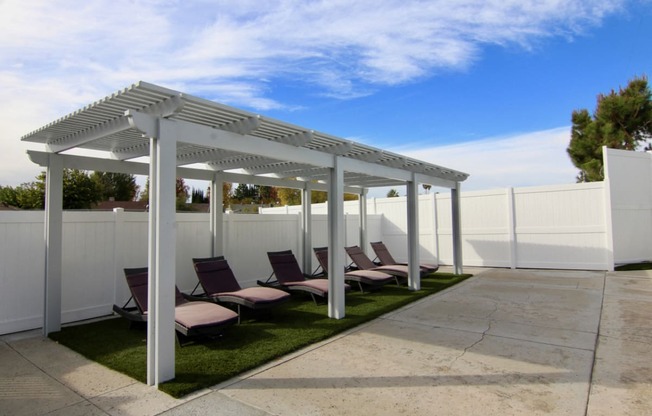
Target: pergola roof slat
x=98 y=126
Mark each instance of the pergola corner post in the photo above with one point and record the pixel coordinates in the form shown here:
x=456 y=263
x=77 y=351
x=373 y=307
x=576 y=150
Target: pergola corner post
x=414 y=272
x=336 y=299
x=364 y=235
x=217 y=215
x=162 y=256
x=53 y=244
x=457 y=229
x=306 y=223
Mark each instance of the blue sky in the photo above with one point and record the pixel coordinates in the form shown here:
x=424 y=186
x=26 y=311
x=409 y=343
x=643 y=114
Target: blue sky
x=486 y=87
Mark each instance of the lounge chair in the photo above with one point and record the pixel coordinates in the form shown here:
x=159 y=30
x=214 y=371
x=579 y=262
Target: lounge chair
x=386 y=258
x=220 y=285
x=363 y=262
x=370 y=278
x=190 y=318
x=289 y=276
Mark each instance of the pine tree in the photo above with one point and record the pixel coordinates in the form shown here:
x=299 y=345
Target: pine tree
x=622 y=120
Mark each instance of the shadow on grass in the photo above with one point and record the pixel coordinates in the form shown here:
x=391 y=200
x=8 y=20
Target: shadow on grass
x=258 y=340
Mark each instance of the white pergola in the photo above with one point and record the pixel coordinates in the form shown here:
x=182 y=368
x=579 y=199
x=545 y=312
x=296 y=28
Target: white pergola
x=190 y=137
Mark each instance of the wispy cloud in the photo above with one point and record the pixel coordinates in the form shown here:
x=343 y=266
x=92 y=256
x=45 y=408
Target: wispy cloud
x=531 y=159
x=344 y=48
x=60 y=55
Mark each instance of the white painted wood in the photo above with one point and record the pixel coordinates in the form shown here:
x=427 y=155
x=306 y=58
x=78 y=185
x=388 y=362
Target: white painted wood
x=511 y=223
x=336 y=299
x=162 y=317
x=414 y=275
x=216 y=215
x=152 y=263
x=457 y=230
x=364 y=227
x=53 y=244
x=306 y=228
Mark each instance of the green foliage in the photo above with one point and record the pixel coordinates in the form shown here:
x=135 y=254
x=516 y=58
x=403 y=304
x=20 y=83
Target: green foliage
x=291 y=326
x=226 y=193
x=30 y=195
x=622 y=120
x=181 y=190
x=392 y=193
x=8 y=196
x=244 y=193
x=119 y=186
x=79 y=192
x=198 y=197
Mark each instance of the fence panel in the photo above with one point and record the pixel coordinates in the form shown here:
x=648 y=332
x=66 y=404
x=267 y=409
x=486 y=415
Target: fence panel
x=561 y=227
x=630 y=177
x=22 y=263
x=485 y=228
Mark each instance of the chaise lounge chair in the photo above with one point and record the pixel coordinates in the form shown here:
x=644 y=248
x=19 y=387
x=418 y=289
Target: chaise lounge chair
x=370 y=278
x=289 y=276
x=386 y=258
x=220 y=285
x=190 y=318
x=363 y=262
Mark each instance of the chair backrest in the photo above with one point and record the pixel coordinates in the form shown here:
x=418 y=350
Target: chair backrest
x=285 y=266
x=360 y=258
x=382 y=253
x=215 y=275
x=138 y=282
x=205 y=259
x=322 y=257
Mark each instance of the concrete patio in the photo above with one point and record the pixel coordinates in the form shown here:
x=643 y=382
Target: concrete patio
x=503 y=342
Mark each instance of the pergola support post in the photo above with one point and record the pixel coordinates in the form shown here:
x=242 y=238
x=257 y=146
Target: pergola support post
x=217 y=215
x=53 y=244
x=457 y=229
x=306 y=223
x=162 y=257
x=336 y=300
x=364 y=235
x=414 y=272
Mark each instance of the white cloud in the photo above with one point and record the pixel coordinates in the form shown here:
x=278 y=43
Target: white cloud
x=58 y=56
x=342 y=46
x=530 y=159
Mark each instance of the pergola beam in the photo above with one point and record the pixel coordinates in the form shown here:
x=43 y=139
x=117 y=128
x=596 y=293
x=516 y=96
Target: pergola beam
x=142 y=168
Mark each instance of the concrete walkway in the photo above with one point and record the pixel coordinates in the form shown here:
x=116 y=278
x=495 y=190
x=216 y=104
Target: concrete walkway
x=506 y=342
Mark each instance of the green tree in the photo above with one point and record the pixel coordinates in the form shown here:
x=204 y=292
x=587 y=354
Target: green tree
x=226 y=193
x=289 y=196
x=244 y=193
x=197 y=196
x=392 y=193
x=79 y=192
x=119 y=186
x=9 y=196
x=622 y=120
x=181 y=190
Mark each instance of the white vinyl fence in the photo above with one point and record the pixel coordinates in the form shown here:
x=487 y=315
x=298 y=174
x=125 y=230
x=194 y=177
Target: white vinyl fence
x=98 y=245
x=580 y=226
x=539 y=227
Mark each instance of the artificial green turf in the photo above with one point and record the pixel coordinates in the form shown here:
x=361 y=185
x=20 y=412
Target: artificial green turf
x=634 y=266
x=254 y=342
